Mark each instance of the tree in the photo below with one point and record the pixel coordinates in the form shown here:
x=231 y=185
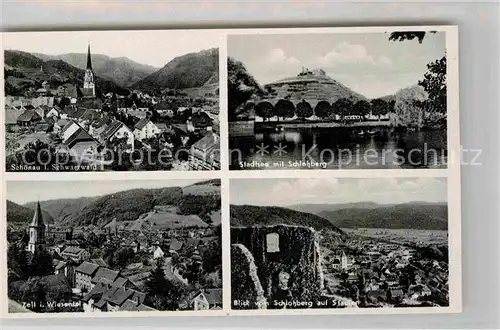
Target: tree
x=434 y=83
x=156 y=282
x=323 y=109
x=343 y=107
x=17 y=261
x=241 y=86
x=304 y=110
x=122 y=257
x=33 y=290
x=41 y=263
x=362 y=108
x=163 y=294
x=408 y=35
x=64 y=102
x=379 y=107
x=38 y=154
x=284 y=109
x=264 y=109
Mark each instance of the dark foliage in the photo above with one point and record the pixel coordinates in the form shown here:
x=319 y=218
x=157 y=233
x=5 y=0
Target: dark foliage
x=249 y=215
x=241 y=86
x=284 y=109
x=304 y=110
x=323 y=109
x=412 y=216
x=186 y=71
x=408 y=35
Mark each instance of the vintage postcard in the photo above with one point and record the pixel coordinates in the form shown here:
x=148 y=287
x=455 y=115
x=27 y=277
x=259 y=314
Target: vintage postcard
x=97 y=246
x=340 y=243
x=112 y=101
x=338 y=100
x=231 y=172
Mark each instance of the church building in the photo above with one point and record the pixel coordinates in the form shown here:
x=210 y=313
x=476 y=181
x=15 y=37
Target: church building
x=88 y=89
x=37 y=231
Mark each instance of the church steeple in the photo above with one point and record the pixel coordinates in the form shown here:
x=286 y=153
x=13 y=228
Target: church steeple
x=38 y=217
x=89 y=59
x=37 y=230
x=88 y=80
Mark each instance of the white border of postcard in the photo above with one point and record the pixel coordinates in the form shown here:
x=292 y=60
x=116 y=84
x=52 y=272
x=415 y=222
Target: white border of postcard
x=452 y=173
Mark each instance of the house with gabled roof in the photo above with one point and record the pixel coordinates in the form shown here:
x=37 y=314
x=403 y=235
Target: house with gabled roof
x=76 y=254
x=84 y=274
x=28 y=118
x=145 y=129
x=205 y=153
x=207 y=299
x=77 y=141
x=112 y=298
x=105 y=276
x=117 y=130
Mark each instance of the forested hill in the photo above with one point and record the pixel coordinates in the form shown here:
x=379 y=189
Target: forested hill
x=24 y=71
x=18 y=215
x=418 y=215
x=201 y=199
x=242 y=86
x=120 y=70
x=249 y=215
x=186 y=71
x=60 y=209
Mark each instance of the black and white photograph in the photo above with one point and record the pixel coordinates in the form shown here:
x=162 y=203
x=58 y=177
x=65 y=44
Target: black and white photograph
x=114 y=246
x=372 y=100
x=339 y=243
x=112 y=101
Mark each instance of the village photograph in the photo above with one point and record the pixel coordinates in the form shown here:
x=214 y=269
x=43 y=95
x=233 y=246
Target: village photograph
x=373 y=100
x=339 y=243
x=115 y=246
x=111 y=101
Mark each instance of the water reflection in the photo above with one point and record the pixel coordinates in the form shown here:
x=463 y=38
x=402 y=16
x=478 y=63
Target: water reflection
x=335 y=148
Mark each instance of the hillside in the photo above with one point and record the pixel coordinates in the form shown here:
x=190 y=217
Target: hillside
x=312 y=86
x=190 y=207
x=241 y=87
x=120 y=70
x=186 y=71
x=18 y=215
x=318 y=208
x=60 y=209
x=25 y=71
x=249 y=215
x=429 y=216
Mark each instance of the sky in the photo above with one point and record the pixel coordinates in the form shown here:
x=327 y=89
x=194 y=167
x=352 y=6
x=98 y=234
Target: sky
x=151 y=47
x=277 y=192
x=21 y=192
x=368 y=63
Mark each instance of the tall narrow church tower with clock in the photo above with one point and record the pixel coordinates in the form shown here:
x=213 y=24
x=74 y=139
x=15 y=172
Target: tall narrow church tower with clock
x=37 y=231
x=88 y=82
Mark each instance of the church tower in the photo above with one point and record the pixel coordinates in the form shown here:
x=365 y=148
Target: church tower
x=88 y=81
x=37 y=231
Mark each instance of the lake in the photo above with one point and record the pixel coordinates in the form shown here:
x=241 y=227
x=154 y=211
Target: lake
x=339 y=148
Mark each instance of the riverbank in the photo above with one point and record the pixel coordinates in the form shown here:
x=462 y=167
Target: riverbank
x=264 y=126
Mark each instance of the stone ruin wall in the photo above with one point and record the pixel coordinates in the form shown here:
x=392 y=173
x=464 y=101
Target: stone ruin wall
x=298 y=255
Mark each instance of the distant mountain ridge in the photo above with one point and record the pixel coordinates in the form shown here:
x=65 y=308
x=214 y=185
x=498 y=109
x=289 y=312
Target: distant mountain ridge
x=24 y=71
x=321 y=207
x=120 y=70
x=201 y=199
x=186 y=71
x=18 y=215
x=415 y=215
x=249 y=215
